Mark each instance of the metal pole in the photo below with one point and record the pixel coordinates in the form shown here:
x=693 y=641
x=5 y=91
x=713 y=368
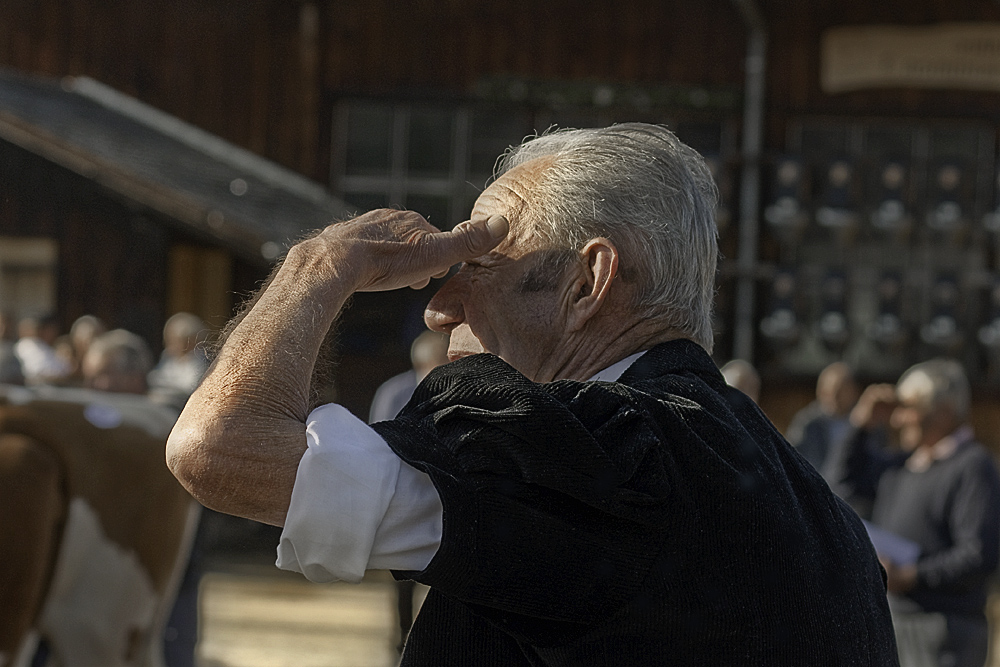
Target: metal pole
x=749 y=223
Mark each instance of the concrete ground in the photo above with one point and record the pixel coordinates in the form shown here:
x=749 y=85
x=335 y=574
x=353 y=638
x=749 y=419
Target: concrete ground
x=256 y=616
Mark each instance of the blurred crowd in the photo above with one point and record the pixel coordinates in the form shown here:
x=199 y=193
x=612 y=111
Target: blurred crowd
x=34 y=351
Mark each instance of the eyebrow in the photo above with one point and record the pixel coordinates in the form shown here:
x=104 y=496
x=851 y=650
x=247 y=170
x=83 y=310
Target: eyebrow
x=484 y=258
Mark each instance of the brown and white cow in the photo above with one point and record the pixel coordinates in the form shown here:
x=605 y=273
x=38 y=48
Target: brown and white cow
x=94 y=530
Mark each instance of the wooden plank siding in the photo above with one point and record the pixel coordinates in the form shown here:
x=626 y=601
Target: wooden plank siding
x=126 y=287
x=385 y=47
x=793 y=86
x=254 y=72
x=243 y=70
x=229 y=68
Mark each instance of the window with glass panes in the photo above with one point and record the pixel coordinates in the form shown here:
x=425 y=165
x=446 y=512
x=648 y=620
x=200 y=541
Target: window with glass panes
x=436 y=158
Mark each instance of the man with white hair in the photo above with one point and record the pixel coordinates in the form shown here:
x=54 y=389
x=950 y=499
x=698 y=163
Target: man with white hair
x=573 y=486
x=939 y=490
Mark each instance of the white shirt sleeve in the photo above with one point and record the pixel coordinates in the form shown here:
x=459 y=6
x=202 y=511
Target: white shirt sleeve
x=356 y=505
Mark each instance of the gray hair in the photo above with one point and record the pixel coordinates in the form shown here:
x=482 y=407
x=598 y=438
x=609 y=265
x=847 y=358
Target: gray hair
x=938 y=382
x=647 y=192
x=87 y=325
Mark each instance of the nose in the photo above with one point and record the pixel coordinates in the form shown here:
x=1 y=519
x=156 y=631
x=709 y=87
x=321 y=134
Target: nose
x=445 y=310
x=902 y=416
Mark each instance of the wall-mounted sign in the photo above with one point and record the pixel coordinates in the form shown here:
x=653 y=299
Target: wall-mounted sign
x=947 y=55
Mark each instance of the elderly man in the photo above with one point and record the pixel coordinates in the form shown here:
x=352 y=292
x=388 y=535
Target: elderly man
x=741 y=375
x=117 y=361
x=939 y=490
x=428 y=351
x=573 y=487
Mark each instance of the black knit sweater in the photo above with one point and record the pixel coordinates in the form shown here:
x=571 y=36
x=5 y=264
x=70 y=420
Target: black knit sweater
x=950 y=510
x=640 y=522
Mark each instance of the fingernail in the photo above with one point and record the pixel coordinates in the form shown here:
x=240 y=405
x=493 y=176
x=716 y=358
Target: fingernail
x=498 y=226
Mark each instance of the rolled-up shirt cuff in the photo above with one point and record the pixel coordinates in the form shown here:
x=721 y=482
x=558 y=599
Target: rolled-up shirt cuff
x=343 y=486
x=355 y=505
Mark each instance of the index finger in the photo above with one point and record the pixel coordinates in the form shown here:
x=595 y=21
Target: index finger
x=468 y=239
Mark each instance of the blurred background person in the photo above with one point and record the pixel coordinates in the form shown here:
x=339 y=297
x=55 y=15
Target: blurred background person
x=73 y=346
x=10 y=365
x=35 y=351
x=64 y=350
x=740 y=374
x=820 y=427
x=183 y=361
x=117 y=361
x=940 y=492
x=428 y=351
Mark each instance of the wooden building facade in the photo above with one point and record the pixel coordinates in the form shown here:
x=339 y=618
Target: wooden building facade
x=408 y=104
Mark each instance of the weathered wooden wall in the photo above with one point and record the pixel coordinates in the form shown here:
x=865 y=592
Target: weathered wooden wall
x=793 y=85
x=386 y=46
x=126 y=287
x=232 y=68
x=262 y=73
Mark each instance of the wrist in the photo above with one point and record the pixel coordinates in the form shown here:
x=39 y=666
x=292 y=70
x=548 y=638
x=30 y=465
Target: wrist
x=317 y=269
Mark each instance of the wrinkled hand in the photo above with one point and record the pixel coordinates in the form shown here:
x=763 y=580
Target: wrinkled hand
x=386 y=249
x=874 y=407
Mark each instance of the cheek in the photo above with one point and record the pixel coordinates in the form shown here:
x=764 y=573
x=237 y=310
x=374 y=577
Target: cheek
x=539 y=311
x=906 y=419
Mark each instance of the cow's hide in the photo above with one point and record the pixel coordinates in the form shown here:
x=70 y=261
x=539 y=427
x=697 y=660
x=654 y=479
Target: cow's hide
x=104 y=530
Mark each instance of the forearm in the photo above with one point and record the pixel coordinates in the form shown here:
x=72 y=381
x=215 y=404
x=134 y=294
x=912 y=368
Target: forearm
x=958 y=569
x=237 y=444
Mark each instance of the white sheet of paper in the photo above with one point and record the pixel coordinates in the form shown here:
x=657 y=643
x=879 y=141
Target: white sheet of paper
x=899 y=550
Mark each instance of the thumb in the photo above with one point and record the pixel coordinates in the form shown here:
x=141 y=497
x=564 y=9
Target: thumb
x=474 y=237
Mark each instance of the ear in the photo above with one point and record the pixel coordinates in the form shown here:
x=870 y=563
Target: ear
x=592 y=284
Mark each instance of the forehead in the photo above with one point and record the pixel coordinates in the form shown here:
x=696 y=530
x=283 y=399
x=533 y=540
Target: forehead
x=514 y=196
x=833 y=376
